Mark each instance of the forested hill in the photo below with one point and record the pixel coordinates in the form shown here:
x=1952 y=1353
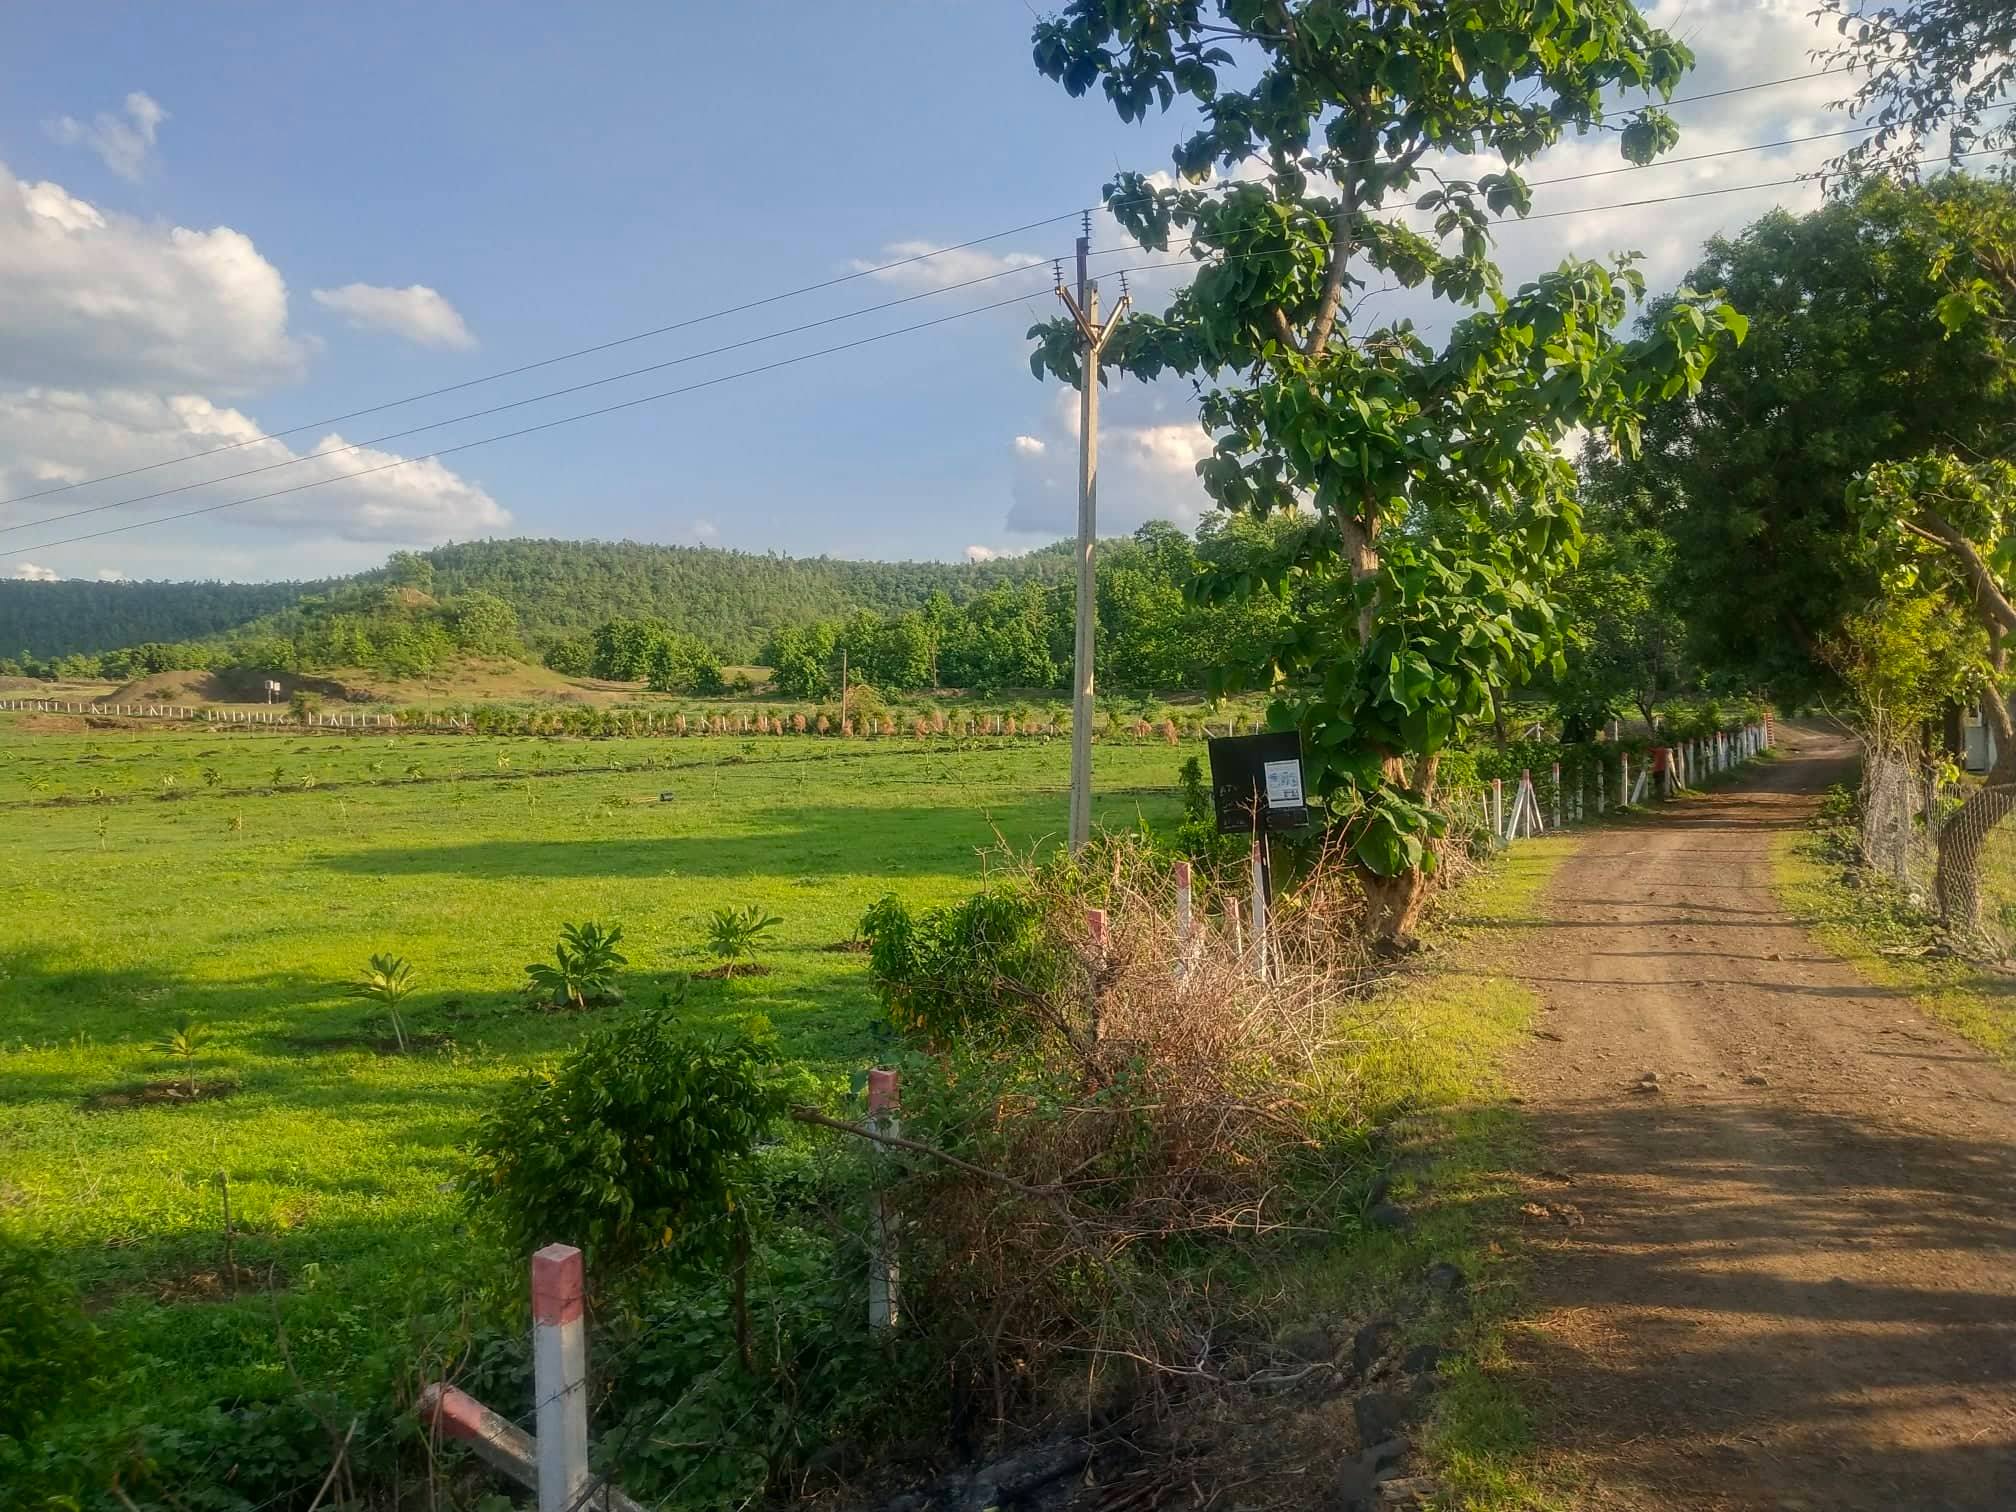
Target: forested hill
x=730 y=599
x=55 y=619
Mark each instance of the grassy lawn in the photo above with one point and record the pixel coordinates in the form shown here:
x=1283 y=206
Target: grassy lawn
x=242 y=879
x=1887 y=940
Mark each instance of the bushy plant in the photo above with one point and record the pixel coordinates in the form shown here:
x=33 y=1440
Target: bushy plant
x=583 y=971
x=637 y=1143
x=46 y=1344
x=966 y=971
x=733 y=934
x=387 y=981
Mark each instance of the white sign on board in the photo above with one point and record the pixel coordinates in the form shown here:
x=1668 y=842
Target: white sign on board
x=1284 y=784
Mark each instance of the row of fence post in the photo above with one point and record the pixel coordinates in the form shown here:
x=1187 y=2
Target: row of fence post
x=1672 y=768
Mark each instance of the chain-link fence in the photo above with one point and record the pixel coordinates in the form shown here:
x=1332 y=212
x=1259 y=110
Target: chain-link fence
x=1948 y=845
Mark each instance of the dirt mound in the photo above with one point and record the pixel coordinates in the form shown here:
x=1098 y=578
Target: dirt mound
x=173 y=688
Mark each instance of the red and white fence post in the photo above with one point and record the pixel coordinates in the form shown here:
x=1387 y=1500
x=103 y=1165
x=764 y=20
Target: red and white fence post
x=1624 y=779
x=560 y=1375
x=884 y=1276
x=1498 y=809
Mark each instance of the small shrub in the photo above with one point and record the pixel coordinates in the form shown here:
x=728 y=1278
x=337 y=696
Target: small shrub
x=965 y=971
x=637 y=1143
x=305 y=706
x=583 y=972
x=46 y=1344
x=733 y=934
x=387 y=981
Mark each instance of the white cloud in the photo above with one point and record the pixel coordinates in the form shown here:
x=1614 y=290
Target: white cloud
x=917 y=271
x=42 y=431
x=1148 y=469
x=89 y=298
x=981 y=553
x=125 y=142
x=112 y=575
x=416 y=312
x=706 y=531
x=28 y=572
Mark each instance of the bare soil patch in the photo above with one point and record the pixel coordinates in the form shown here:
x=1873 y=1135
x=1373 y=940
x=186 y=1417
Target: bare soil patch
x=729 y=973
x=1789 y=1280
x=157 y=1094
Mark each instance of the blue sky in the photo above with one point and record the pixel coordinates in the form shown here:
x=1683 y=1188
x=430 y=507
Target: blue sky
x=213 y=221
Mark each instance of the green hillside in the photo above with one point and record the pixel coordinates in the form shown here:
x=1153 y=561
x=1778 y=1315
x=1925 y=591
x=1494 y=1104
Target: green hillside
x=732 y=599
x=55 y=619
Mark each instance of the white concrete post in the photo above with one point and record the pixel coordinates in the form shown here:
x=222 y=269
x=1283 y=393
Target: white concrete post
x=1498 y=808
x=560 y=1376
x=1557 y=794
x=1238 y=933
x=1183 y=911
x=884 y=1278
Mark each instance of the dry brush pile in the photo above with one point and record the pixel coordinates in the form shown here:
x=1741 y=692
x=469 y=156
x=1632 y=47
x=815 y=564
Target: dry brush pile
x=1139 y=1115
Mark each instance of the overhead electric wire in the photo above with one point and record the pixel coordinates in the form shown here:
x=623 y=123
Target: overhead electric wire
x=670 y=362
x=527 y=367
x=694 y=320
x=607 y=409
x=847 y=346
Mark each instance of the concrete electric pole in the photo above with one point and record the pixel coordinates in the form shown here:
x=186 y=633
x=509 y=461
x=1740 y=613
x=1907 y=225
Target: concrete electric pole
x=1085 y=311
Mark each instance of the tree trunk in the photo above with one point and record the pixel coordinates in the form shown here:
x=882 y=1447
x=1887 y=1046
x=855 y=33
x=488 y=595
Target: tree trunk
x=1956 y=875
x=738 y=1287
x=1393 y=906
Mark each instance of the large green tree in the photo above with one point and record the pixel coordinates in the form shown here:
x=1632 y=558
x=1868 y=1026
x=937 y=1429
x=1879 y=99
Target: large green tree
x=1432 y=504
x=1848 y=363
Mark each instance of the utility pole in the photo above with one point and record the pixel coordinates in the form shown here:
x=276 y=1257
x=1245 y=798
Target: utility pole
x=1085 y=312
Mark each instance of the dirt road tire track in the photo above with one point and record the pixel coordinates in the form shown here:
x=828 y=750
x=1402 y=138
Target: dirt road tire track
x=1783 y=1275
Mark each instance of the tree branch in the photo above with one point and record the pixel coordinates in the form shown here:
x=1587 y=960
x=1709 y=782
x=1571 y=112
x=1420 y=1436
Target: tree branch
x=814 y=1116
x=1283 y=332
x=1987 y=592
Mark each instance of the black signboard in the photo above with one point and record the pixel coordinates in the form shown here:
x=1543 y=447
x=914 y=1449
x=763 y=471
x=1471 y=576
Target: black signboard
x=1262 y=772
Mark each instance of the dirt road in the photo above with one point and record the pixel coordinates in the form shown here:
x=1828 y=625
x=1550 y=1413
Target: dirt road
x=1783 y=1275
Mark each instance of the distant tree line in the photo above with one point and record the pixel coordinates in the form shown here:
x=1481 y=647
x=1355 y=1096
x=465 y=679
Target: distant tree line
x=1155 y=631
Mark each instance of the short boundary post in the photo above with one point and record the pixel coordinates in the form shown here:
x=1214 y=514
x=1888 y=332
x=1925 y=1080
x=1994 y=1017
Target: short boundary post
x=560 y=1375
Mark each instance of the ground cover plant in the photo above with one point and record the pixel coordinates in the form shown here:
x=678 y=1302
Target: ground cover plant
x=247 y=907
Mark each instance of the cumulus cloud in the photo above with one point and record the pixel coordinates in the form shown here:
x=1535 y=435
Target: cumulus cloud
x=916 y=270
x=125 y=141
x=89 y=297
x=112 y=575
x=362 y=496
x=1147 y=468
x=981 y=553
x=706 y=531
x=28 y=572
x=416 y=312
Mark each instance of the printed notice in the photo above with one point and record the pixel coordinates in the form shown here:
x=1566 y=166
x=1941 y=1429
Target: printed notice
x=1284 y=784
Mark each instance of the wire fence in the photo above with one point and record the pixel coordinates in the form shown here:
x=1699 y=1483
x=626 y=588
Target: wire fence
x=1944 y=844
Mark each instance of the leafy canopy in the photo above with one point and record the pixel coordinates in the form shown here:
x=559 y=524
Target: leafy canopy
x=1432 y=506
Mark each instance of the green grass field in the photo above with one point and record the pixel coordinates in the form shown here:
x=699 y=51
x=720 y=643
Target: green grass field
x=242 y=880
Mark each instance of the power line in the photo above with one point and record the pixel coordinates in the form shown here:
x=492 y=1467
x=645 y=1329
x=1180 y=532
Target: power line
x=355 y=446
x=527 y=367
x=687 y=323
x=1512 y=222
x=607 y=409
x=862 y=341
